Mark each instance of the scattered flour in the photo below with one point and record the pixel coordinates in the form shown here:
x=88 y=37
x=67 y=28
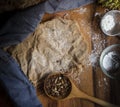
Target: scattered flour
x=103 y=83
x=81 y=10
x=93 y=58
x=97 y=14
x=98 y=45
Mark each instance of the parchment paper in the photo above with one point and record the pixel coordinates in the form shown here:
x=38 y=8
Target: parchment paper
x=55 y=46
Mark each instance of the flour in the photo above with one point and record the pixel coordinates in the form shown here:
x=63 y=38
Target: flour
x=97 y=14
x=103 y=83
x=93 y=58
x=98 y=45
x=81 y=10
x=111 y=61
x=108 y=23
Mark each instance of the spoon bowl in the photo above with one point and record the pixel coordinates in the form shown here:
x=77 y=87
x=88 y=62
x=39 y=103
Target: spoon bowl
x=73 y=91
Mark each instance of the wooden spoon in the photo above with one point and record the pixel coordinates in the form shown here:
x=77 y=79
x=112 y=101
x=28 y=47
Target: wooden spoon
x=76 y=93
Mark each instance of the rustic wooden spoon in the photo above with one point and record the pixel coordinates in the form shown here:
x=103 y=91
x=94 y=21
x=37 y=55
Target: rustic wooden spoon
x=76 y=93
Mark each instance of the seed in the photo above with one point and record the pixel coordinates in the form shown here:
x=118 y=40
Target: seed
x=58 y=86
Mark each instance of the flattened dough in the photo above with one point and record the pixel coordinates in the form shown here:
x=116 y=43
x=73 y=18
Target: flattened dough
x=54 y=46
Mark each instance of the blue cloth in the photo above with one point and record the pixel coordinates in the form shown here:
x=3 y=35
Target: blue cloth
x=16 y=84
x=21 y=23
x=13 y=30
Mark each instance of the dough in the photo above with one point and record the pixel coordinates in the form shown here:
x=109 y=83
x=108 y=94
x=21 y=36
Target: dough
x=55 y=46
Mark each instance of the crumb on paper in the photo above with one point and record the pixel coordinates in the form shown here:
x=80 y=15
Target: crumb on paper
x=81 y=10
x=97 y=14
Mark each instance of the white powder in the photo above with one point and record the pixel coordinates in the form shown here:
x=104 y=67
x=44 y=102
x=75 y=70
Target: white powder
x=100 y=84
x=81 y=10
x=98 y=45
x=103 y=83
x=108 y=23
x=93 y=59
x=97 y=14
x=110 y=61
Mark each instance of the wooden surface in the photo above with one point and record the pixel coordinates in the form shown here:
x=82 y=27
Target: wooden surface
x=93 y=82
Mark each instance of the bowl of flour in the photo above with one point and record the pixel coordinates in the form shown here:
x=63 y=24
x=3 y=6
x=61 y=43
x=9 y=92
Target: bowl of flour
x=110 y=61
x=110 y=23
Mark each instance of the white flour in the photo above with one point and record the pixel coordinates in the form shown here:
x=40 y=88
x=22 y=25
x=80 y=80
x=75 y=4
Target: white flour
x=108 y=23
x=81 y=10
x=97 y=14
x=98 y=45
x=110 y=61
x=103 y=84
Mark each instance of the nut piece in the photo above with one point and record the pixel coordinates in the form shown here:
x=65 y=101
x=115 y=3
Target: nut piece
x=58 y=86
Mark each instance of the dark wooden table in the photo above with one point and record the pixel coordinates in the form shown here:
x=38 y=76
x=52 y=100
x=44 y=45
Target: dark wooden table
x=93 y=82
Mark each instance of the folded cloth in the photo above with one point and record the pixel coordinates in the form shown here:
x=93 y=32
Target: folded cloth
x=52 y=6
x=14 y=30
x=16 y=84
x=21 y=23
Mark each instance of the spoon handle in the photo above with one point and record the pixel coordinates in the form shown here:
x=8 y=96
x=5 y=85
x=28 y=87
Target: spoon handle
x=100 y=102
x=79 y=94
